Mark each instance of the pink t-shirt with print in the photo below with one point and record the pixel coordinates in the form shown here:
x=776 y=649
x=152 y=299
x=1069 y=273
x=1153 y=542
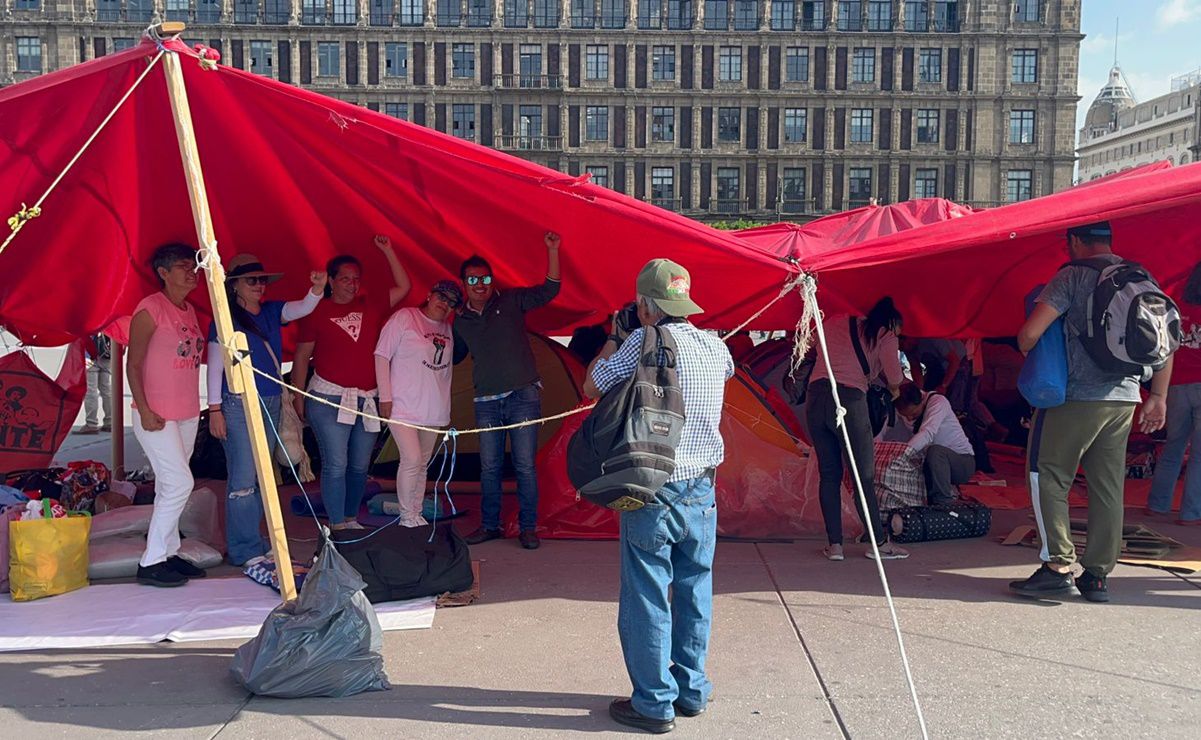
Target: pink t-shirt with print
x=172 y=374
x=420 y=352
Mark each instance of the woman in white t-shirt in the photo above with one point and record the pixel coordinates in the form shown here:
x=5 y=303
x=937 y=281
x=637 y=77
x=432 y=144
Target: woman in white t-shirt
x=413 y=361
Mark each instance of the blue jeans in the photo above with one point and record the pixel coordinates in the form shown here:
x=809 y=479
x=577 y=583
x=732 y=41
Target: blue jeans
x=243 y=500
x=345 y=457
x=668 y=545
x=1184 y=431
x=522 y=404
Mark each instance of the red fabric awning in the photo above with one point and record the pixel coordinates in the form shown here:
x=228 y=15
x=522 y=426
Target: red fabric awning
x=296 y=177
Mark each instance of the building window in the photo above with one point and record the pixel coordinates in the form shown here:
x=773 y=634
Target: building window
x=917 y=16
x=679 y=15
x=546 y=14
x=29 y=54
x=729 y=124
x=479 y=13
x=927 y=126
x=860 y=186
x=650 y=14
x=862 y=120
x=209 y=11
x=1025 y=66
x=599 y=173
x=1019 y=185
x=792 y=190
x=529 y=127
x=813 y=15
x=312 y=12
x=717 y=15
x=925 y=183
x=396 y=59
x=123 y=44
x=448 y=13
x=529 y=65
x=850 y=15
x=863 y=65
x=517 y=13
x=1026 y=11
x=329 y=60
x=663 y=187
x=139 y=10
x=583 y=14
x=946 y=16
x=796 y=125
x=783 y=15
x=596 y=62
x=729 y=64
x=729 y=190
x=346 y=12
x=412 y=12
x=930 y=65
x=796 y=64
x=28 y=4
x=663 y=63
x=247 y=11
x=108 y=11
x=462 y=61
x=379 y=12
x=1021 y=127
x=879 y=15
x=663 y=124
x=462 y=121
x=397 y=110
x=746 y=15
x=261 y=61
x=177 y=10
x=613 y=14
x=596 y=123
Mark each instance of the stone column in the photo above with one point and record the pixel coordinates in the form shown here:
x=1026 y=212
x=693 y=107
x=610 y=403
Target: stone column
x=293 y=19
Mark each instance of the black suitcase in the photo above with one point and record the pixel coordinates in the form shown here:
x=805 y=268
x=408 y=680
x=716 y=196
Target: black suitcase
x=960 y=520
x=399 y=563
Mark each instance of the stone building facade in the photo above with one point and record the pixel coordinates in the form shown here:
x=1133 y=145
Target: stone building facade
x=714 y=108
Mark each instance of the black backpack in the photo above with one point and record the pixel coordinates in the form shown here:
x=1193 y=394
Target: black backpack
x=625 y=450
x=879 y=400
x=1131 y=325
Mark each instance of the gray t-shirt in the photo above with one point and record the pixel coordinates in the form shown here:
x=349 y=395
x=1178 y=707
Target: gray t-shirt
x=1068 y=293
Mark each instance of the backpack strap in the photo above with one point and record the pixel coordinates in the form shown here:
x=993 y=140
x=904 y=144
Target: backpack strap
x=863 y=363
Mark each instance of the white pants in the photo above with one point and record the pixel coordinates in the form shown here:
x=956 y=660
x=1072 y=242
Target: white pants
x=169 y=450
x=414 y=448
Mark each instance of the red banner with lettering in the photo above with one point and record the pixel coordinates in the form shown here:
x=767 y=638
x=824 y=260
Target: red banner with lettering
x=36 y=413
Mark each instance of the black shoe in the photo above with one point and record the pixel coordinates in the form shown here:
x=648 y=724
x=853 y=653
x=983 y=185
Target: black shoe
x=683 y=710
x=483 y=535
x=184 y=568
x=1044 y=582
x=623 y=712
x=529 y=540
x=160 y=574
x=1093 y=587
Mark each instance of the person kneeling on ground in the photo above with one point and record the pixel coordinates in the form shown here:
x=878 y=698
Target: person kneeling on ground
x=668 y=545
x=936 y=432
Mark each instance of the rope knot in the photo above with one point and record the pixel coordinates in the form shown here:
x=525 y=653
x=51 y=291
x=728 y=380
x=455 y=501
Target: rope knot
x=27 y=213
x=207 y=57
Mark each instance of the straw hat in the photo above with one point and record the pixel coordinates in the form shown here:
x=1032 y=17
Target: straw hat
x=247 y=265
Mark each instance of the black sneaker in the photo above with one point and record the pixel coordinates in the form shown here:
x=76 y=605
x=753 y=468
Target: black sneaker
x=1093 y=587
x=184 y=568
x=1044 y=582
x=529 y=540
x=160 y=574
x=623 y=712
x=483 y=535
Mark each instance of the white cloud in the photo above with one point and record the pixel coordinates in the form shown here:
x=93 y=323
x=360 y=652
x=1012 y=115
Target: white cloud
x=1098 y=43
x=1177 y=12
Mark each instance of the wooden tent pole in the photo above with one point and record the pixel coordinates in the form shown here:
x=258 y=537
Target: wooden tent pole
x=240 y=375
x=116 y=418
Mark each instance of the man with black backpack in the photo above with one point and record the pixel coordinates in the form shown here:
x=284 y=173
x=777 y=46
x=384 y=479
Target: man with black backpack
x=668 y=542
x=1121 y=329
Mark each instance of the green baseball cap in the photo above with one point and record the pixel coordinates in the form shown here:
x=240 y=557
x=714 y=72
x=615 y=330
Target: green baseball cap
x=669 y=286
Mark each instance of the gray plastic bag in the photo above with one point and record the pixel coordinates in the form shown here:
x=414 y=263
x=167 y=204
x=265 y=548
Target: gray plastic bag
x=326 y=643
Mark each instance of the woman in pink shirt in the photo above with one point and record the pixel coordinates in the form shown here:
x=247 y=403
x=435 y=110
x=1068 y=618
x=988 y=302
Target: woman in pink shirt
x=165 y=349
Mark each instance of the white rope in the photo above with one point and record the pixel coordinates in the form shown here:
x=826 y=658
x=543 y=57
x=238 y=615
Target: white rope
x=810 y=292
x=37 y=206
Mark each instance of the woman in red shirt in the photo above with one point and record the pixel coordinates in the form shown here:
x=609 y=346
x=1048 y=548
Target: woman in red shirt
x=338 y=341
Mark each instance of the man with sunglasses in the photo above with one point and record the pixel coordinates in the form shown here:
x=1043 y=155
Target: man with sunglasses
x=491 y=327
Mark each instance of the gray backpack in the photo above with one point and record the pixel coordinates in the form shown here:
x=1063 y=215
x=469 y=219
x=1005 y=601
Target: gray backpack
x=1131 y=325
x=626 y=449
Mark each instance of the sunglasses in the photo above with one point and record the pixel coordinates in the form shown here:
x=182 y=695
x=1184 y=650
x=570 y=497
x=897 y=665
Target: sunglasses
x=450 y=301
x=256 y=280
x=477 y=279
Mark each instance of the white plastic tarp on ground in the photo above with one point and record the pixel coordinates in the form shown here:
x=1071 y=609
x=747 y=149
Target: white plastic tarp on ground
x=132 y=614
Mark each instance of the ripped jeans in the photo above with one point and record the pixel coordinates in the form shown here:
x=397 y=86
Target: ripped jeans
x=243 y=502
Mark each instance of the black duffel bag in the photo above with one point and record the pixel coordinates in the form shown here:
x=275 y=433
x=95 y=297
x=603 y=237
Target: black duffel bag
x=399 y=563
x=960 y=520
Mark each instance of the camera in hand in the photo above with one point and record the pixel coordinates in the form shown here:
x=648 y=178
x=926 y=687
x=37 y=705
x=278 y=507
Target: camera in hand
x=627 y=319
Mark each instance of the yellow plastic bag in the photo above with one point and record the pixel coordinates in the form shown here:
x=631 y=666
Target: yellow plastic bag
x=48 y=556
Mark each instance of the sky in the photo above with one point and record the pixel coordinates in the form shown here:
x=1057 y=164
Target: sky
x=1157 y=40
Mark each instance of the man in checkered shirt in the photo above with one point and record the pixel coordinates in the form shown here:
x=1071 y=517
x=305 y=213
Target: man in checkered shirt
x=669 y=543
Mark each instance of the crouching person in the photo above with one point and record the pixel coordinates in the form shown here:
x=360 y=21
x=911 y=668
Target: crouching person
x=937 y=432
x=668 y=545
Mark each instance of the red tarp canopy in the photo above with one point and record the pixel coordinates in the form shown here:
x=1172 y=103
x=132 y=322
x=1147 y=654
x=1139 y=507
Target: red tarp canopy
x=295 y=177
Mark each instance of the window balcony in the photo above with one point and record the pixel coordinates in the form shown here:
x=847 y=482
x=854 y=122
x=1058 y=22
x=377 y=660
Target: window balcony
x=530 y=143
x=528 y=82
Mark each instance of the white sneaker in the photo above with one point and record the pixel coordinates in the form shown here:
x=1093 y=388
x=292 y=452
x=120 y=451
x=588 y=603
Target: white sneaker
x=888 y=551
x=414 y=520
x=834 y=553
